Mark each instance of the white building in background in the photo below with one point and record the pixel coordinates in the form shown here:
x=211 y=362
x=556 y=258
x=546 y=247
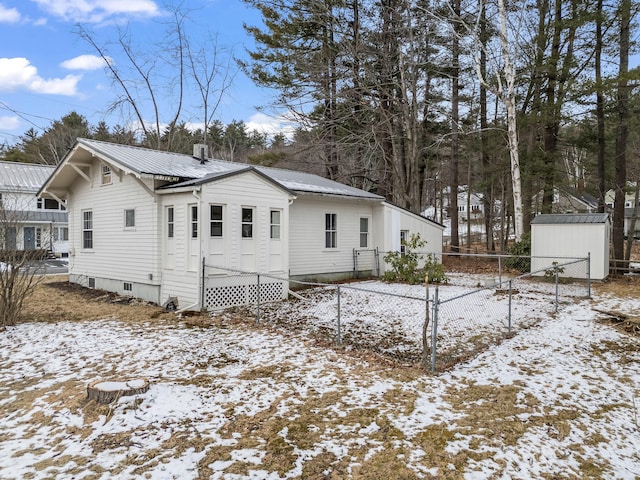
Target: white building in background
x=29 y=223
x=142 y=222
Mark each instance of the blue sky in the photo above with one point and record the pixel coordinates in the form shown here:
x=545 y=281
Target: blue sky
x=47 y=70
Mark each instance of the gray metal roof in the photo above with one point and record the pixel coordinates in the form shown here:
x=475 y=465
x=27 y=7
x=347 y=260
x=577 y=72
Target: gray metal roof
x=42 y=216
x=565 y=218
x=23 y=177
x=153 y=162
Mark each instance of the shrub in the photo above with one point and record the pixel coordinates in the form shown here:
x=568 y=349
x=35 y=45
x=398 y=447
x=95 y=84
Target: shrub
x=404 y=266
x=521 y=251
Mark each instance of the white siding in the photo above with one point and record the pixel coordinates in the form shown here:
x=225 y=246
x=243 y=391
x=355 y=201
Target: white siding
x=308 y=255
x=571 y=240
x=119 y=255
x=396 y=219
x=230 y=251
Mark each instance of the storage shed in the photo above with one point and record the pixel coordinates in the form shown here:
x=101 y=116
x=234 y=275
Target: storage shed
x=556 y=237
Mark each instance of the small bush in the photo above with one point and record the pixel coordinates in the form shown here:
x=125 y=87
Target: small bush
x=521 y=251
x=404 y=266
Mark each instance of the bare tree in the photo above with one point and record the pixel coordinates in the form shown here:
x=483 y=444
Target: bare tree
x=19 y=269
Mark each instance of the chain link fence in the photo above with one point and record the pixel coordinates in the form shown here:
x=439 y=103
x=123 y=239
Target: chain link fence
x=433 y=325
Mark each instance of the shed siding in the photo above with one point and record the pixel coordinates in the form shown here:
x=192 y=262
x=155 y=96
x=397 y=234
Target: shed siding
x=118 y=254
x=552 y=242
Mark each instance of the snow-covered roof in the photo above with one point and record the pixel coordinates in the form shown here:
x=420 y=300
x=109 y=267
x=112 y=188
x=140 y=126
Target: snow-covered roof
x=564 y=218
x=23 y=177
x=144 y=161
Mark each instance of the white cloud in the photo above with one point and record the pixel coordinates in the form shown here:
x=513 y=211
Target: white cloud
x=271 y=125
x=9 y=15
x=19 y=74
x=84 y=62
x=9 y=123
x=95 y=11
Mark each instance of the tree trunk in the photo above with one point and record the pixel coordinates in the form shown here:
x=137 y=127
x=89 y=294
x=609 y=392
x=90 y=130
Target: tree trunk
x=621 y=133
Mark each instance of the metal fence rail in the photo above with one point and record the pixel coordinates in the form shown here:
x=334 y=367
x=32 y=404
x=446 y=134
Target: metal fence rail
x=437 y=326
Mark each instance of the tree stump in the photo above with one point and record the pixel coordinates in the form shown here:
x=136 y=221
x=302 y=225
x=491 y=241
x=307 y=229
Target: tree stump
x=107 y=391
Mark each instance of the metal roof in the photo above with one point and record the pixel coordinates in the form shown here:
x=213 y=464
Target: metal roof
x=154 y=162
x=42 y=216
x=23 y=177
x=566 y=218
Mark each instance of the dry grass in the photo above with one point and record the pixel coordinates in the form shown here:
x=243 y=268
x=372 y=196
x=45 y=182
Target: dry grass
x=490 y=415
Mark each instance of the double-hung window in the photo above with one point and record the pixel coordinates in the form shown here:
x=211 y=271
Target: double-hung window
x=364 y=232
x=170 y=222
x=216 y=220
x=331 y=230
x=106 y=174
x=87 y=229
x=247 y=222
x=404 y=238
x=275 y=224
x=194 y=221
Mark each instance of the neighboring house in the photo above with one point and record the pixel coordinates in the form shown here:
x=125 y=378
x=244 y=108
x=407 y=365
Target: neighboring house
x=565 y=201
x=29 y=223
x=141 y=222
x=629 y=200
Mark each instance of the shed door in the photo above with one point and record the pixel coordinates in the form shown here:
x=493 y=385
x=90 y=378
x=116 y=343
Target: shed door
x=29 y=238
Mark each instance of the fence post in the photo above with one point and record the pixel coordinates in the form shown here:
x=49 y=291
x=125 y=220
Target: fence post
x=555 y=268
x=510 y=294
x=434 y=331
x=339 y=331
x=499 y=268
x=202 y=296
x=258 y=300
x=589 y=275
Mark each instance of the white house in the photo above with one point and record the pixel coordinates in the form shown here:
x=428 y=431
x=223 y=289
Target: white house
x=142 y=222
x=30 y=223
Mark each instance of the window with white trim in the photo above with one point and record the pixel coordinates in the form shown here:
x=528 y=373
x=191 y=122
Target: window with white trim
x=170 y=222
x=331 y=230
x=106 y=175
x=87 y=229
x=404 y=238
x=49 y=204
x=194 y=220
x=364 y=232
x=127 y=287
x=275 y=224
x=60 y=234
x=38 y=237
x=129 y=218
x=215 y=219
x=247 y=222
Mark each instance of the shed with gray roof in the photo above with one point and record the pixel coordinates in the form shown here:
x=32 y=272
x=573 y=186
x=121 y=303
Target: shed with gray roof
x=562 y=238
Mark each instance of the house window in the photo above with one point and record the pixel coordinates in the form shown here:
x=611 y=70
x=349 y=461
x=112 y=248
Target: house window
x=247 y=223
x=129 y=218
x=60 y=234
x=49 y=204
x=106 y=175
x=475 y=208
x=275 y=224
x=92 y=282
x=127 y=287
x=194 y=221
x=38 y=238
x=0 y=200
x=330 y=230
x=170 y=223
x=87 y=229
x=364 y=232
x=216 y=220
x=404 y=238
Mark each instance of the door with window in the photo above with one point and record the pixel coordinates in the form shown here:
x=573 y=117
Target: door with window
x=29 y=238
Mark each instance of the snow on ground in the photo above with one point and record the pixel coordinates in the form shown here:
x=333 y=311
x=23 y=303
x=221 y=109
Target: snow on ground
x=561 y=399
